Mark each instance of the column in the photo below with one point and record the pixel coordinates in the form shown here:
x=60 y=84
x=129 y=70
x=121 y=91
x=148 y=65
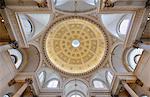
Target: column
x=23 y=88
x=11 y=45
x=130 y=91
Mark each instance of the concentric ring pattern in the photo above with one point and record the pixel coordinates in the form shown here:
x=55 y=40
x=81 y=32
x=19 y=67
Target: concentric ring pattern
x=75 y=45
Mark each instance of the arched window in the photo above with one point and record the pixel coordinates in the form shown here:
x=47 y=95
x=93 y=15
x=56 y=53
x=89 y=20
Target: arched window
x=42 y=76
x=123 y=27
x=75 y=95
x=117 y=24
x=60 y=2
x=98 y=84
x=6 y=95
x=144 y=96
x=134 y=57
x=109 y=77
x=91 y=2
x=27 y=26
x=76 y=5
x=16 y=57
x=53 y=83
x=75 y=87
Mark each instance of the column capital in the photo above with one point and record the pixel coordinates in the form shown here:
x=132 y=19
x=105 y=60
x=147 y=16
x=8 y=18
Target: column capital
x=136 y=43
x=41 y=3
x=28 y=80
x=14 y=44
x=11 y=82
x=109 y=3
x=138 y=82
x=123 y=81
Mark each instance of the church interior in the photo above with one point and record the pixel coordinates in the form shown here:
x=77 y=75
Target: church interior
x=74 y=48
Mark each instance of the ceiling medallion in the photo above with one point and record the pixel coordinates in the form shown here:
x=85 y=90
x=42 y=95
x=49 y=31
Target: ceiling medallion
x=75 y=45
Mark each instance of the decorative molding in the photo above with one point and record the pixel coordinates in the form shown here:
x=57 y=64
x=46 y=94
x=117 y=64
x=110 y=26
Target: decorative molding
x=29 y=80
x=14 y=44
x=136 y=31
x=70 y=17
x=11 y=82
x=138 y=82
x=41 y=3
x=109 y=3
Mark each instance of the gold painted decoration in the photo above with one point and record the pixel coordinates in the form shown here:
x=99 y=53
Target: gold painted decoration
x=75 y=45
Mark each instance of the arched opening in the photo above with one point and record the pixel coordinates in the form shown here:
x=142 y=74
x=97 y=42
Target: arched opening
x=91 y=2
x=75 y=95
x=42 y=77
x=117 y=24
x=60 y=2
x=48 y=79
x=123 y=26
x=16 y=57
x=75 y=87
x=31 y=57
x=98 y=84
x=27 y=26
x=133 y=57
x=116 y=58
x=109 y=77
x=53 y=83
x=144 y=95
x=6 y=95
x=76 y=6
x=33 y=25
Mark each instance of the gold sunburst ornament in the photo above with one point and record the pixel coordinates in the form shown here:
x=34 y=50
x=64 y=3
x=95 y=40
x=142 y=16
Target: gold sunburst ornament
x=75 y=45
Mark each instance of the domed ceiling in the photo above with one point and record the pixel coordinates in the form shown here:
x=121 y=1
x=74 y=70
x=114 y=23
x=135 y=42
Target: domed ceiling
x=75 y=45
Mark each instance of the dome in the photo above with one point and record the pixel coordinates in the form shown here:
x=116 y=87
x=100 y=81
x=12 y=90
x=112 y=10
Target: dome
x=75 y=45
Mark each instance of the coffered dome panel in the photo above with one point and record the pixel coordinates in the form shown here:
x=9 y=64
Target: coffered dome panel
x=75 y=45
